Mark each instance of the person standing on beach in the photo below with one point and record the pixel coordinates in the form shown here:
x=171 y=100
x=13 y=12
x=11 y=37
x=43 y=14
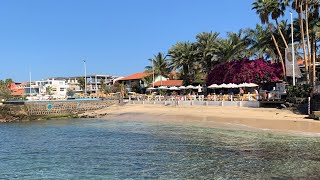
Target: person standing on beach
x=241 y=92
x=256 y=93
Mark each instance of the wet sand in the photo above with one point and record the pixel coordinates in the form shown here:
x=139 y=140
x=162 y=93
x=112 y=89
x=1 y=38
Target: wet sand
x=209 y=116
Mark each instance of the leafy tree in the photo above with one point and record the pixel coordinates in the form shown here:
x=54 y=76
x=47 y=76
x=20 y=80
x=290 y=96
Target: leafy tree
x=160 y=65
x=206 y=49
x=115 y=87
x=148 y=80
x=135 y=86
x=70 y=92
x=235 y=46
x=184 y=58
x=49 y=90
x=81 y=82
x=103 y=86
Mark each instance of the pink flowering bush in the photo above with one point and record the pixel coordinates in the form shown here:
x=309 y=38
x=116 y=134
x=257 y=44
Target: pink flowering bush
x=250 y=71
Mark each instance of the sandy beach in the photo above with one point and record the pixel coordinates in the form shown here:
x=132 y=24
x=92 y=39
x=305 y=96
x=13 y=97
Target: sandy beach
x=209 y=116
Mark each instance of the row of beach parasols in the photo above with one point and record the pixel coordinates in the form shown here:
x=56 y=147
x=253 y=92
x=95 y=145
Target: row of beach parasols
x=175 y=88
x=232 y=85
x=213 y=86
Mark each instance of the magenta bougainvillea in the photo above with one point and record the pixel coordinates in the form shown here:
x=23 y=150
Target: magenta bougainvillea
x=250 y=71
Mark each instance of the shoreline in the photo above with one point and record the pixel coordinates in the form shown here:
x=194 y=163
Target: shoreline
x=271 y=119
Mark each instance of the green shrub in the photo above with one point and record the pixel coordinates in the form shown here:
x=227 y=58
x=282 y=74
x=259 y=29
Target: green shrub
x=301 y=91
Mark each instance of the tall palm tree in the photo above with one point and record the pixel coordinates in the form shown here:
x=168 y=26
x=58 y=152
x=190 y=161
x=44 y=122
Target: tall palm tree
x=184 y=58
x=314 y=29
x=298 y=6
x=160 y=65
x=206 y=47
x=277 y=9
x=263 y=9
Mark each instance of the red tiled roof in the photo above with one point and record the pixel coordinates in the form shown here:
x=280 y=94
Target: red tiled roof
x=18 y=92
x=135 y=76
x=169 y=83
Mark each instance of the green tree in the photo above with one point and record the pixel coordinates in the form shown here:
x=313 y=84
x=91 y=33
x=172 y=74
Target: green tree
x=235 y=46
x=148 y=80
x=102 y=86
x=206 y=49
x=81 y=82
x=184 y=58
x=70 y=92
x=49 y=90
x=160 y=65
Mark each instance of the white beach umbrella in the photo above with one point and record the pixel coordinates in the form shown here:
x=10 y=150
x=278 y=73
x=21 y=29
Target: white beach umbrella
x=248 y=85
x=232 y=85
x=243 y=85
x=223 y=85
x=182 y=87
x=252 y=85
x=151 y=88
x=214 y=86
x=190 y=87
x=199 y=88
x=174 y=88
x=163 y=87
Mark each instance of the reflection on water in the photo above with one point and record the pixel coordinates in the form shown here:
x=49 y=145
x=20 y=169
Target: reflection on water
x=97 y=149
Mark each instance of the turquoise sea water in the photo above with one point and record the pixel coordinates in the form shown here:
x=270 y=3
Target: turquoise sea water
x=99 y=149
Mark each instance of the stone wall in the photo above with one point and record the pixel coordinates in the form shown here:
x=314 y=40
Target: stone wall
x=43 y=108
x=252 y=104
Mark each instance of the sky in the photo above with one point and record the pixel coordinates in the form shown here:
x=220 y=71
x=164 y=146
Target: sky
x=49 y=38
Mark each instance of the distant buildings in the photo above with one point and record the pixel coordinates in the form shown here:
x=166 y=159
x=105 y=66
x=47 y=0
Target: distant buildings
x=57 y=87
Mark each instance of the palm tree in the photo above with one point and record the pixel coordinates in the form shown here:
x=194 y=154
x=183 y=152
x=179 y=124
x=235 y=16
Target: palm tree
x=298 y=6
x=277 y=9
x=8 y=82
x=314 y=29
x=160 y=65
x=261 y=42
x=148 y=80
x=263 y=9
x=235 y=46
x=206 y=47
x=184 y=58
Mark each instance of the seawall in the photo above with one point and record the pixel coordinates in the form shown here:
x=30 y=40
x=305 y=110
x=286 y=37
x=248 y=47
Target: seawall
x=32 y=110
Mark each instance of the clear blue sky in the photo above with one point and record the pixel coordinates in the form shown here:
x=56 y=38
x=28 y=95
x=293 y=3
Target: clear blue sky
x=50 y=36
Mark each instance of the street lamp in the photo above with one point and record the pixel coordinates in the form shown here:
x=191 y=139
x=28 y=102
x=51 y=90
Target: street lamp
x=85 y=76
x=292 y=51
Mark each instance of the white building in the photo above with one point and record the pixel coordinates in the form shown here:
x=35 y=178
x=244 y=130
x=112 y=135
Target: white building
x=57 y=88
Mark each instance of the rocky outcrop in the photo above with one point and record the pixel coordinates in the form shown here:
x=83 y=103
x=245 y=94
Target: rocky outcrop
x=12 y=113
x=52 y=109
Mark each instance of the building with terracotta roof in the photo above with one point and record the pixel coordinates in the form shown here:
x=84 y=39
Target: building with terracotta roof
x=137 y=79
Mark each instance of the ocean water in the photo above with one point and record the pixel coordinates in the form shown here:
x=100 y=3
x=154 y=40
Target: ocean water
x=100 y=149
